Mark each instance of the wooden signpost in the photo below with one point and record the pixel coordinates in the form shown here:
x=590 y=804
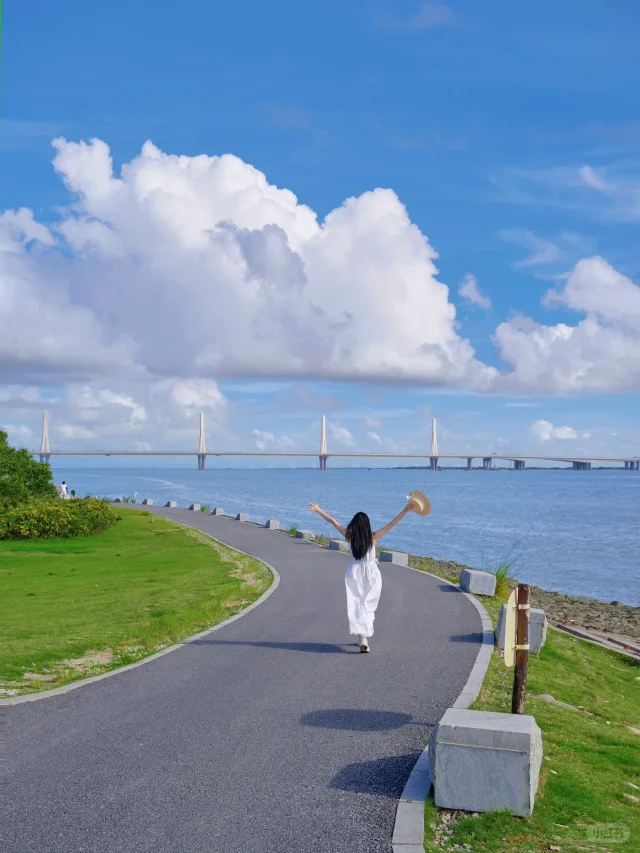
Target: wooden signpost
x=516 y=643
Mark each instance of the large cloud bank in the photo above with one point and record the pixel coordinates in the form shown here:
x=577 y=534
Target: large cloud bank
x=599 y=354
x=197 y=266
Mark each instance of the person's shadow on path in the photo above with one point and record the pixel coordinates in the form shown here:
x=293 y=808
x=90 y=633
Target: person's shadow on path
x=316 y=648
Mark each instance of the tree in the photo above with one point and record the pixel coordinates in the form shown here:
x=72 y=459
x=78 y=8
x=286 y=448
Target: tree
x=21 y=477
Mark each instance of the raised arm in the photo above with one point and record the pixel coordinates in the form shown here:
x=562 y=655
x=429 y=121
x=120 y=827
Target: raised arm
x=315 y=508
x=384 y=530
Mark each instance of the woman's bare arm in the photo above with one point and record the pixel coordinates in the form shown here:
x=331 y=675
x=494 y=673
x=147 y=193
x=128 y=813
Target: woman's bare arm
x=315 y=508
x=384 y=530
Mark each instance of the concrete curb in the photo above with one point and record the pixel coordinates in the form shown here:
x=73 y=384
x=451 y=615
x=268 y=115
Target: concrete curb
x=580 y=635
x=408 y=830
x=67 y=688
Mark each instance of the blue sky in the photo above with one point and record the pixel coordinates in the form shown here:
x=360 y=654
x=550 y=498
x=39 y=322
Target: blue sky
x=509 y=132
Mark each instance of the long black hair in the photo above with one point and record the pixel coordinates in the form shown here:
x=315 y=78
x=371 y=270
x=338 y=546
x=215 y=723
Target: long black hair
x=359 y=535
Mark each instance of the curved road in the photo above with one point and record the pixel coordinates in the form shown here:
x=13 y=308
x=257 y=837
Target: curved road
x=271 y=735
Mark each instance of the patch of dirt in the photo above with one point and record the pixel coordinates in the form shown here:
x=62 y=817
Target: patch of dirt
x=89 y=660
x=37 y=676
x=547 y=697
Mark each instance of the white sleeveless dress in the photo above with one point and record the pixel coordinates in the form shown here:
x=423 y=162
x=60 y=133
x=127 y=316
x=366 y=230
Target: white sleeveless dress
x=364 y=585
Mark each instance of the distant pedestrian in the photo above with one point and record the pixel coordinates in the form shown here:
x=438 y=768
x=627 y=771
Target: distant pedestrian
x=363 y=579
x=64 y=492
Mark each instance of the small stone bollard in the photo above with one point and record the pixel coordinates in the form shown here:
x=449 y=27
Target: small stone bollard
x=537 y=628
x=117 y=500
x=242 y=516
x=305 y=534
x=339 y=545
x=398 y=558
x=217 y=511
x=272 y=524
x=195 y=507
x=482 y=761
x=147 y=502
x=171 y=504
x=478 y=583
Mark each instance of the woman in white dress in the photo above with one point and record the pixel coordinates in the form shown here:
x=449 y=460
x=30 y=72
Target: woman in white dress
x=363 y=579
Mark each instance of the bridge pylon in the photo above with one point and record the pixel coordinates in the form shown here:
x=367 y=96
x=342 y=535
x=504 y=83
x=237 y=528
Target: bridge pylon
x=433 y=456
x=323 y=445
x=202 y=450
x=44 y=444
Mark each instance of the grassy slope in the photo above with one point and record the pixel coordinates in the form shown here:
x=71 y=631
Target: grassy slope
x=139 y=587
x=590 y=755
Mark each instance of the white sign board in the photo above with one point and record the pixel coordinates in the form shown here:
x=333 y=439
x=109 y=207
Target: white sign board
x=510 y=625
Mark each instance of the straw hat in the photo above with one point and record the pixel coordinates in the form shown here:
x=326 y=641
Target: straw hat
x=421 y=502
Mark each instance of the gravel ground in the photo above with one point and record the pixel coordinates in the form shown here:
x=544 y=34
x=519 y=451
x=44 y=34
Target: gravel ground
x=613 y=617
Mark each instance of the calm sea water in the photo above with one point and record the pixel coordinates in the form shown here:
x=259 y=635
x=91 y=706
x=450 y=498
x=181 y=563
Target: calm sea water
x=571 y=531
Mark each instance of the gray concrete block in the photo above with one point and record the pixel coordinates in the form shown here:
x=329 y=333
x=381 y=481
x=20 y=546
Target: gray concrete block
x=195 y=507
x=482 y=761
x=217 y=511
x=537 y=628
x=305 y=534
x=272 y=524
x=339 y=545
x=148 y=502
x=397 y=557
x=171 y=504
x=242 y=516
x=117 y=500
x=478 y=583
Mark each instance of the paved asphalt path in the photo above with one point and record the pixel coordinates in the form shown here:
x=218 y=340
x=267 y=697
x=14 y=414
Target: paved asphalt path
x=271 y=735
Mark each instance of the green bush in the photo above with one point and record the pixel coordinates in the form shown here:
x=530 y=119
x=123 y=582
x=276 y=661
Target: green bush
x=21 y=477
x=59 y=519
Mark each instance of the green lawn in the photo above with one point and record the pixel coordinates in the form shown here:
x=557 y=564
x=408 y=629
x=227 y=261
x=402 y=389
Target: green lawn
x=590 y=755
x=77 y=607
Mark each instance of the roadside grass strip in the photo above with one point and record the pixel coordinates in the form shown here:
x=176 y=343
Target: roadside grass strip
x=75 y=608
x=589 y=793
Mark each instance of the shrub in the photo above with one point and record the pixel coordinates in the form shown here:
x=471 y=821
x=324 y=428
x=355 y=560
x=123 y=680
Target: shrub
x=503 y=578
x=48 y=519
x=21 y=477
x=205 y=508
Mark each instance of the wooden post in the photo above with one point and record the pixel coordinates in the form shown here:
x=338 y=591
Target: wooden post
x=522 y=650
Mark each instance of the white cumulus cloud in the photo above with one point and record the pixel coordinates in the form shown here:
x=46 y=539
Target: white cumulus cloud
x=269 y=441
x=340 y=434
x=197 y=266
x=601 y=353
x=546 y=431
x=469 y=290
x=183 y=270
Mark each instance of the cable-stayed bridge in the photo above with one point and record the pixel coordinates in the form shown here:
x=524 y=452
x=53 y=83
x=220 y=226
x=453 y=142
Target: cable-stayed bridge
x=579 y=463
